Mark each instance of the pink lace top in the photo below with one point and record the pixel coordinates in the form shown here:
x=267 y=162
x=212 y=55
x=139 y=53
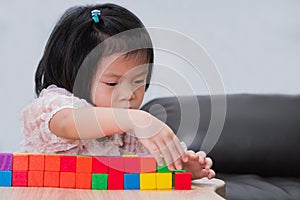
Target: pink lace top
x=39 y=138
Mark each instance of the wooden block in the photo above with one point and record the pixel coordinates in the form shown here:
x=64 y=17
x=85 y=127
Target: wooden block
x=84 y=164
x=148 y=181
x=6 y=161
x=115 y=181
x=36 y=162
x=183 y=181
x=99 y=181
x=5 y=178
x=20 y=178
x=83 y=181
x=20 y=162
x=130 y=155
x=68 y=163
x=116 y=165
x=173 y=174
x=148 y=164
x=132 y=164
x=52 y=163
x=35 y=178
x=164 y=168
x=100 y=165
x=131 y=181
x=51 y=179
x=67 y=180
x=163 y=181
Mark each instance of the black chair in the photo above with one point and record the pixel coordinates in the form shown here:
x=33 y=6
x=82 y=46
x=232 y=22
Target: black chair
x=258 y=151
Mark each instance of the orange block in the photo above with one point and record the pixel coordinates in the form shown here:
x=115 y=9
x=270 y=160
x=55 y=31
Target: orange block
x=83 y=181
x=51 y=179
x=84 y=164
x=36 y=162
x=20 y=162
x=52 y=163
x=35 y=178
x=67 y=180
x=148 y=164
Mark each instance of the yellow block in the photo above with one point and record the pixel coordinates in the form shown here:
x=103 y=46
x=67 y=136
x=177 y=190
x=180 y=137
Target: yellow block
x=163 y=181
x=148 y=181
x=130 y=155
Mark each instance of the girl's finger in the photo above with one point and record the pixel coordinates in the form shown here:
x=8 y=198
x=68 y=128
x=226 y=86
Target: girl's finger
x=179 y=148
x=175 y=155
x=211 y=174
x=163 y=148
x=202 y=156
x=208 y=162
x=191 y=154
x=154 y=150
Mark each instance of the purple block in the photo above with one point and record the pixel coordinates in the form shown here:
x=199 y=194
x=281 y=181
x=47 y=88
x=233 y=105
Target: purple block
x=6 y=161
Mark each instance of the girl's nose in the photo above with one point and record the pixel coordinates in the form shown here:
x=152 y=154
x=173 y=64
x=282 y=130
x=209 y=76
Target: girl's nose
x=127 y=93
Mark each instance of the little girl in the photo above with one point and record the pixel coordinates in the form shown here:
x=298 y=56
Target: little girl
x=90 y=84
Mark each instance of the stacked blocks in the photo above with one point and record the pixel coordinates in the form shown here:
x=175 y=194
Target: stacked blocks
x=127 y=172
x=6 y=169
x=52 y=171
x=20 y=170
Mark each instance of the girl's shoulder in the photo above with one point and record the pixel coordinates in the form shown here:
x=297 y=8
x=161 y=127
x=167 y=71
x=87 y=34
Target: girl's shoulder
x=53 y=89
x=53 y=99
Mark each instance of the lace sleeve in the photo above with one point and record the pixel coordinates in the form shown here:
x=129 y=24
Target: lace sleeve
x=36 y=117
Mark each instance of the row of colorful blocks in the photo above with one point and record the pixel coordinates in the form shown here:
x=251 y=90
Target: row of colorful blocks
x=82 y=164
x=66 y=170
x=143 y=181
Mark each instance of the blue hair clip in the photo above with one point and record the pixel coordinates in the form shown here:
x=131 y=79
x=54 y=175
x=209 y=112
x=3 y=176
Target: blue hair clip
x=95 y=15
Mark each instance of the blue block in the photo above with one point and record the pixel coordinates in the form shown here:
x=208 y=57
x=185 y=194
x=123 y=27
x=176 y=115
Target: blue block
x=5 y=178
x=131 y=181
x=6 y=161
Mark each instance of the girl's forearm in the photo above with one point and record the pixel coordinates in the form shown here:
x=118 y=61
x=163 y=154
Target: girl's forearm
x=95 y=122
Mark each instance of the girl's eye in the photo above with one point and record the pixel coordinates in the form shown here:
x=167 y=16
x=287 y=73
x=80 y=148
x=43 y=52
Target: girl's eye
x=139 y=82
x=111 y=84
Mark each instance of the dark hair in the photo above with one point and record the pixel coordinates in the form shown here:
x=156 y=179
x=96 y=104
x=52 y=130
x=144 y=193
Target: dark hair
x=76 y=35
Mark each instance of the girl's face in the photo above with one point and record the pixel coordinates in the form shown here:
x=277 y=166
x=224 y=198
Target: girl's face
x=119 y=82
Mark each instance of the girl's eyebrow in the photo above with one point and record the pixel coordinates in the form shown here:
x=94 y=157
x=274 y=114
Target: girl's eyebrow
x=119 y=76
x=112 y=75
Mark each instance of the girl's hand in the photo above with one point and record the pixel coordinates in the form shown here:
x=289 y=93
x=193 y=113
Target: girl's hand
x=160 y=140
x=199 y=165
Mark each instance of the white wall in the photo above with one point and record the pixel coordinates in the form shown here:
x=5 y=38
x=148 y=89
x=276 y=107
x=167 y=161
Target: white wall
x=255 y=44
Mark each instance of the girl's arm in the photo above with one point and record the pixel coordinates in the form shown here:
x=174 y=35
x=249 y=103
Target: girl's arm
x=91 y=123
x=97 y=122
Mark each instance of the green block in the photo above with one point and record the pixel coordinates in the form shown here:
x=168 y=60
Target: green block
x=178 y=170
x=163 y=168
x=173 y=177
x=99 y=181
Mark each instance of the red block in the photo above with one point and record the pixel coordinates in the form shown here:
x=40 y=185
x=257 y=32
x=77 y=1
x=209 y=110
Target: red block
x=68 y=163
x=84 y=164
x=116 y=165
x=83 y=181
x=67 y=180
x=183 y=181
x=20 y=162
x=52 y=163
x=100 y=165
x=19 y=178
x=132 y=164
x=115 y=181
x=35 y=178
x=36 y=162
x=51 y=179
x=148 y=164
